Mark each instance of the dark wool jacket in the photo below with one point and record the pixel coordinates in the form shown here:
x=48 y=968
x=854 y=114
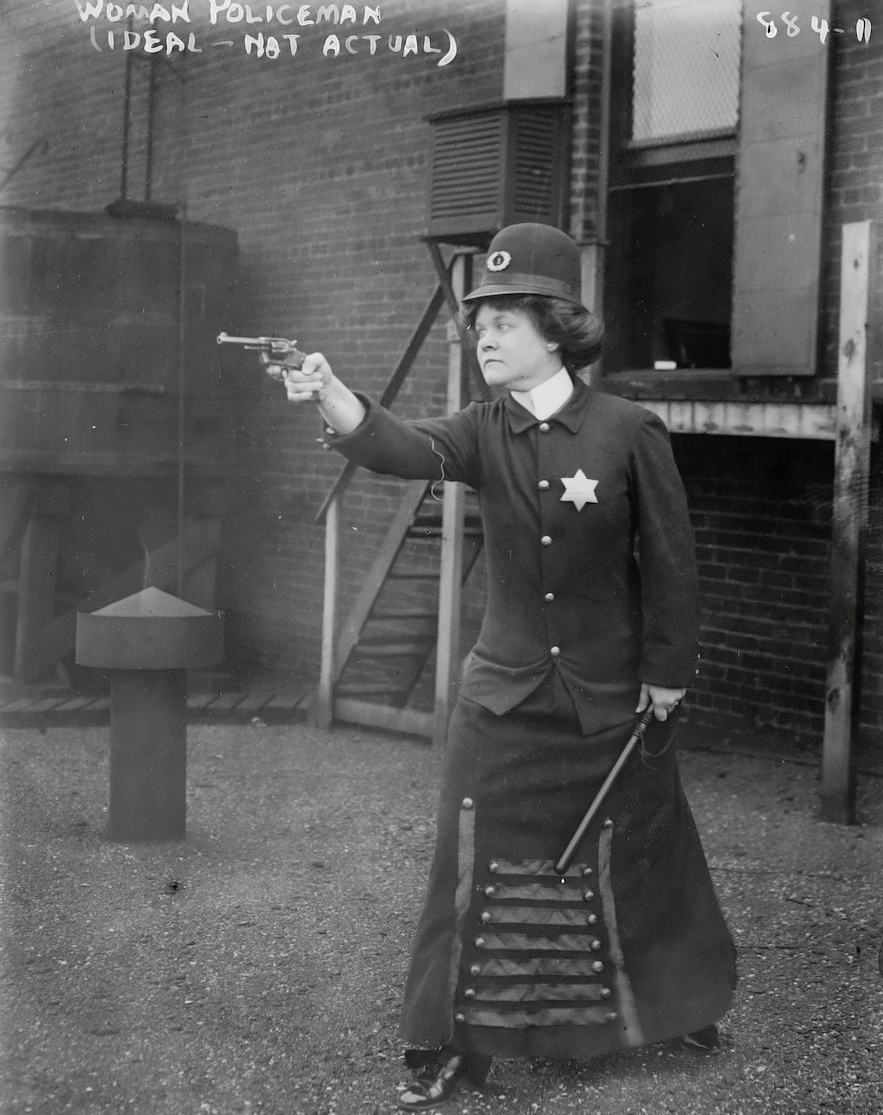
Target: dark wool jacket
x=606 y=594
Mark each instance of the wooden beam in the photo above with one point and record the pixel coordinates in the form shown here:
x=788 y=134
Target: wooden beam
x=323 y=709
x=454 y=289
x=407 y=720
x=849 y=524
x=811 y=421
x=447 y=668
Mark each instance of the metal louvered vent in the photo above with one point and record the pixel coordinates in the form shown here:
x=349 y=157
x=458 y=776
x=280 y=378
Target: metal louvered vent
x=535 y=177
x=492 y=166
x=466 y=169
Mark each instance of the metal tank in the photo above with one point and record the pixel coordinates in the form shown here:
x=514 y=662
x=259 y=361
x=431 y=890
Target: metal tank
x=114 y=419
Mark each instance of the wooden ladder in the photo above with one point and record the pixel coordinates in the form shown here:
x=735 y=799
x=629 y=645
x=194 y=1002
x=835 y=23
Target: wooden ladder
x=407 y=612
x=391 y=633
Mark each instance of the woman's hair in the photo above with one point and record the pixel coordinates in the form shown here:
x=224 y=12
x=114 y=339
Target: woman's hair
x=576 y=330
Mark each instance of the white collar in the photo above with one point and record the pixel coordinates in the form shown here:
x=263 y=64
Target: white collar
x=543 y=400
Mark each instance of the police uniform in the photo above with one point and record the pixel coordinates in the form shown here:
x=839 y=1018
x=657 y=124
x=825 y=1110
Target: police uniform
x=591 y=590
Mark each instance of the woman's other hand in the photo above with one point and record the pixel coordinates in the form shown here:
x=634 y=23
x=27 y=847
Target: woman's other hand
x=664 y=700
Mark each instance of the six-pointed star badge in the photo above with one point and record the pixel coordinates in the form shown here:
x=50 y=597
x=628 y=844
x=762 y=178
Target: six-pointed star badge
x=579 y=490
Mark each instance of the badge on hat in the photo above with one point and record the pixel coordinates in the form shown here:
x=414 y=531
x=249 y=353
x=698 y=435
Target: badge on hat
x=579 y=489
x=499 y=261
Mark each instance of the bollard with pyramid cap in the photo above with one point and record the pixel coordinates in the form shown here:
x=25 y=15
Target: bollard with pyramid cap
x=147 y=642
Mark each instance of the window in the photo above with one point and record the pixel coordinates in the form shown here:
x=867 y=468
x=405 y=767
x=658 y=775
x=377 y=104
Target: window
x=670 y=221
x=701 y=274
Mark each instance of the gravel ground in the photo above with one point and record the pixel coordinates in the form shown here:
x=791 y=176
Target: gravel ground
x=257 y=966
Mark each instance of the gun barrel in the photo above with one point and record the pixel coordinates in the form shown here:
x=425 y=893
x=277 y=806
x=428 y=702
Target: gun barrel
x=248 y=342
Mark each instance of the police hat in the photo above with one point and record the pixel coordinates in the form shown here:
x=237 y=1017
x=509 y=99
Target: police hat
x=531 y=259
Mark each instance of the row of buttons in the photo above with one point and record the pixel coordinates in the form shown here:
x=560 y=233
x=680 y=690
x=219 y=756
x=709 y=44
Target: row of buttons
x=543 y=485
x=597 y=968
x=595 y=945
x=470 y=993
x=460 y=1017
x=494 y=866
x=591 y=919
x=549 y=596
x=468 y=803
x=491 y=891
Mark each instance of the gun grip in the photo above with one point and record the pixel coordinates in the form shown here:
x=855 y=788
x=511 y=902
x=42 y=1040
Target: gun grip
x=288 y=356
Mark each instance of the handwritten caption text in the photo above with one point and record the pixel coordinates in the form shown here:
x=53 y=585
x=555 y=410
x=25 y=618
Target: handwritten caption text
x=790 y=24
x=265 y=34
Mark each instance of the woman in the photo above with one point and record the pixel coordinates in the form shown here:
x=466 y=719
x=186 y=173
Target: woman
x=591 y=615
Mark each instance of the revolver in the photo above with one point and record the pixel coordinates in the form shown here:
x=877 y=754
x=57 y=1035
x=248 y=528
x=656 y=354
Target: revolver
x=277 y=349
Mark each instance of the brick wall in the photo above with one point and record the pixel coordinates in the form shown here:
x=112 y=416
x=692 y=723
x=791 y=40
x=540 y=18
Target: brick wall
x=872 y=635
x=761 y=512
x=762 y=516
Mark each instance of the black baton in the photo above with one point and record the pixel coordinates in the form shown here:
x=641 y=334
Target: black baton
x=632 y=742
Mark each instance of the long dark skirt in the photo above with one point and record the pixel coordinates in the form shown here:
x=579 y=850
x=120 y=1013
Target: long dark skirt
x=513 y=960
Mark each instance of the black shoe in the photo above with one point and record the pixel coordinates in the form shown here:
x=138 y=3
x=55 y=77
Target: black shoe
x=440 y=1075
x=702 y=1041
x=419 y=1060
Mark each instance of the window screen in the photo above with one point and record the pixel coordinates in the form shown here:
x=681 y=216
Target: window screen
x=686 y=68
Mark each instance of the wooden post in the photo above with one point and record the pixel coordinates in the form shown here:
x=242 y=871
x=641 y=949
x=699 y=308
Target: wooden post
x=447 y=668
x=849 y=524
x=324 y=710
x=148 y=642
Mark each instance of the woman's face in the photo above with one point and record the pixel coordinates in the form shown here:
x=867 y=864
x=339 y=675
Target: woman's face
x=512 y=353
